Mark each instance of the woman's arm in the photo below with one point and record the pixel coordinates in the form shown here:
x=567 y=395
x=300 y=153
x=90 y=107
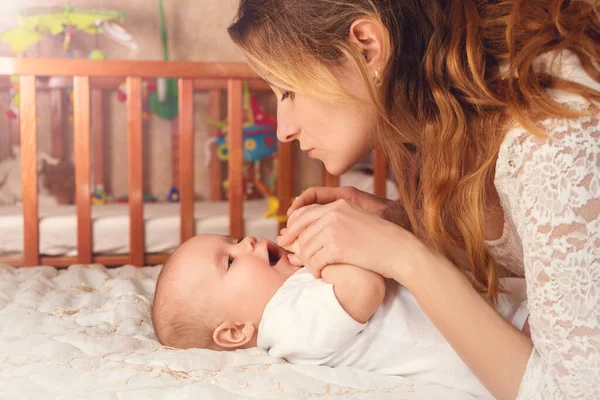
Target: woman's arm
x=552 y=189
x=492 y=348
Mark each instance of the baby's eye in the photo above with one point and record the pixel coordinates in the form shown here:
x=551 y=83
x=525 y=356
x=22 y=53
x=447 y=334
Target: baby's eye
x=230 y=261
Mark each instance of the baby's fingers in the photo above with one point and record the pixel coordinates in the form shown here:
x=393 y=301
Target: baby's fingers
x=295 y=260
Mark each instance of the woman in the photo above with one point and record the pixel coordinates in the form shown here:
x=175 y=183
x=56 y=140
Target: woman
x=488 y=114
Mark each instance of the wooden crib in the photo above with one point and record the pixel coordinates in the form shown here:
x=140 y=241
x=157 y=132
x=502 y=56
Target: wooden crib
x=89 y=78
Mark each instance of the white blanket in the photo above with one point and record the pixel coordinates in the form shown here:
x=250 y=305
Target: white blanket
x=85 y=333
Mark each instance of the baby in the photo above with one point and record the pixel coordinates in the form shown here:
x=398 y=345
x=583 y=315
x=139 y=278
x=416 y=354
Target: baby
x=219 y=293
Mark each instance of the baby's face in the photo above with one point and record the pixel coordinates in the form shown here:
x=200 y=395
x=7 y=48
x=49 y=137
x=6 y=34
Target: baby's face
x=239 y=276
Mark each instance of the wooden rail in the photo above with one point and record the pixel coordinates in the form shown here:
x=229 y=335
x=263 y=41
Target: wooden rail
x=123 y=69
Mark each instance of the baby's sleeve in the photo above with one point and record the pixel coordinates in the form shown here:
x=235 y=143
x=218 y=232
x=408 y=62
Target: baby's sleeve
x=305 y=323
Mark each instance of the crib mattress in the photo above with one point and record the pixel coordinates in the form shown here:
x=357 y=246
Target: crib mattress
x=85 y=333
x=110 y=226
x=110 y=223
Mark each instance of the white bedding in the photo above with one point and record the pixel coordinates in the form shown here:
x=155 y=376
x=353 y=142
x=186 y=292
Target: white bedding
x=85 y=333
x=110 y=224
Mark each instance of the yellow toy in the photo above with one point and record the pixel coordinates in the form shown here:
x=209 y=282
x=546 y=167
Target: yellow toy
x=272 y=203
x=35 y=23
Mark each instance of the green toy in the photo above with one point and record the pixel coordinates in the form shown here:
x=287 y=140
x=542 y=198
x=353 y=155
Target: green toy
x=165 y=101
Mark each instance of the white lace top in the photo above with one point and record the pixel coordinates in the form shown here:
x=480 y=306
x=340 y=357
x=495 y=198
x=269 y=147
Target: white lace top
x=550 y=193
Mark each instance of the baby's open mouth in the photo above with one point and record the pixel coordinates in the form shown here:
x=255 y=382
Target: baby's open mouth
x=274 y=254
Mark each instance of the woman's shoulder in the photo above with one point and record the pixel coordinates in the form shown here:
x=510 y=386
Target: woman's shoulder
x=539 y=178
x=567 y=143
x=565 y=139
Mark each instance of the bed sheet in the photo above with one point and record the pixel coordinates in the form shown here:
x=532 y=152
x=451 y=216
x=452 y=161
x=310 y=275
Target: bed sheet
x=110 y=224
x=85 y=333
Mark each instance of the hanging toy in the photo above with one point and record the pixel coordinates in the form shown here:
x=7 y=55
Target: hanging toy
x=272 y=203
x=15 y=98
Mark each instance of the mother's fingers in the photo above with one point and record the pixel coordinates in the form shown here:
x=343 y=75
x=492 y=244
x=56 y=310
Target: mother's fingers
x=300 y=220
x=314 y=195
x=294 y=216
x=312 y=243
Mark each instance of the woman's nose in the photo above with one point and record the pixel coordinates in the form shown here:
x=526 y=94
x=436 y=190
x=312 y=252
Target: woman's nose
x=286 y=129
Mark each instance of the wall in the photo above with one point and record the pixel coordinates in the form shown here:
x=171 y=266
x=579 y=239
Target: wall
x=197 y=32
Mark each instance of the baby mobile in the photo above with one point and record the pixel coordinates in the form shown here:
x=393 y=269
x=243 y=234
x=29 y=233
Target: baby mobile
x=259 y=141
x=34 y=24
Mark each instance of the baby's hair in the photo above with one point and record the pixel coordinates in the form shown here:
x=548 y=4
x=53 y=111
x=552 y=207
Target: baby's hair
x=178 y=320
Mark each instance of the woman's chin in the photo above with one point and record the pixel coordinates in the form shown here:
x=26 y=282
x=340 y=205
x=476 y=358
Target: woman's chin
x=336 y=169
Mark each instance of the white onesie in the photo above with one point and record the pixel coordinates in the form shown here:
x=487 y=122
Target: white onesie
x=305 y=324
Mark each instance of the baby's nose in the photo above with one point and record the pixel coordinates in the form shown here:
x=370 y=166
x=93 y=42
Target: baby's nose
x=249 y=241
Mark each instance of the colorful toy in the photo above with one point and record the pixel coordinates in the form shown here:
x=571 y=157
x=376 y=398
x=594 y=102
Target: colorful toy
x=148 y=86
x=99 y=197
x=174 y=195
x=35 y=23
x=259 y=132
x=272 y=204
x=259 y=140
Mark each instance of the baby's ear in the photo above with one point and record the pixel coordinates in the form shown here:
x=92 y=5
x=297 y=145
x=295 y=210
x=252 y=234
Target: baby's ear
x=234 y=335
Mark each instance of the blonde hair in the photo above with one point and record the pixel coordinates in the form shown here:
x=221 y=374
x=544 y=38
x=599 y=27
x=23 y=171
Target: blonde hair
x=179 y=320
x=461 y=73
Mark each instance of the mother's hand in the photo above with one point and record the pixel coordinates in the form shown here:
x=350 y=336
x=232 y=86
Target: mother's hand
x=325 y=195
x=340 y=232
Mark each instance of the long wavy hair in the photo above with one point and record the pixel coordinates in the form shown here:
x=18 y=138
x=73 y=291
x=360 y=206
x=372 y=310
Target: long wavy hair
x=460 y=74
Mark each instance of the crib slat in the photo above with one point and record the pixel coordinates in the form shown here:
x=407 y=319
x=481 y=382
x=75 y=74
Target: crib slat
x=214 y=104
x=285 y=179
x=330 y=180
x=236 y=157
x=97 y=121
x=81 y=112
x=186 y=158
x=29 y=166
x=57 y=118
x=380 y=172
x=136 y=205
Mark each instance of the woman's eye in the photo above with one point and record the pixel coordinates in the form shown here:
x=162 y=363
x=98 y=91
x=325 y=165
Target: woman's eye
x=230 y=261
x=285 y=95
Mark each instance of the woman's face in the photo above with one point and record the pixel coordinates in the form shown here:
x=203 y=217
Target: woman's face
x=337 y=134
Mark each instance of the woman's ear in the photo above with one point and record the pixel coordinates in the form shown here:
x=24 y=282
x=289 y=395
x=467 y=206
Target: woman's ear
x=371 y=38
x=233 y=335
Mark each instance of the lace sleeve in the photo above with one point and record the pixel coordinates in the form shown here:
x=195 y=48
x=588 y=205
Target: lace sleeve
x=554 y=204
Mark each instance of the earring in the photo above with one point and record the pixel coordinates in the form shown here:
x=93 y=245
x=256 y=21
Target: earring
x=378 y=81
